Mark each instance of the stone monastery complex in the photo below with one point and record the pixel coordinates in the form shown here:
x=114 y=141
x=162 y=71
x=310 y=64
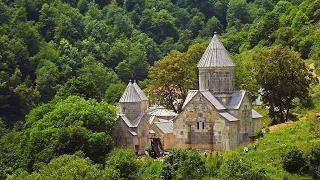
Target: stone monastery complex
x=215 y=117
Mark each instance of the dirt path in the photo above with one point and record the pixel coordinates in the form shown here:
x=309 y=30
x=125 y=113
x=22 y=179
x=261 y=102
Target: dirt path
x=313 y=68
x=279 y=126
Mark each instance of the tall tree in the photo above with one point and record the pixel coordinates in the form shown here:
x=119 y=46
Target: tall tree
x=174 y=75
x=64 y=127
x=283 y=76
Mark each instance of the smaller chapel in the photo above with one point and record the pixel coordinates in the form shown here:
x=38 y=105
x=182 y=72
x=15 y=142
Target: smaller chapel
x=215 y=117
x=135 y=126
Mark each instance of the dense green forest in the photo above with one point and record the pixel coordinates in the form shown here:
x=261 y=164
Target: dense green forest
x=65 y=63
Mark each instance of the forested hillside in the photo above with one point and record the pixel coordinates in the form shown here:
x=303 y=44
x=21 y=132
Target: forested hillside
x=45 y=44
x=63 y=62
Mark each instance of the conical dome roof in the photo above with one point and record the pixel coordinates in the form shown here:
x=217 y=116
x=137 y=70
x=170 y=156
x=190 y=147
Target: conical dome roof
x=215 y=55
x=140 y=92
x=133 y=93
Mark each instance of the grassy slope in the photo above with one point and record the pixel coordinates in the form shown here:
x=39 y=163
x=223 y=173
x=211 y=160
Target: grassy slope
x=270 y=147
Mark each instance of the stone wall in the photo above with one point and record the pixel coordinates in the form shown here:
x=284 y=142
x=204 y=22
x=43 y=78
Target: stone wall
x=201 y=127
x=246 y=124
x=133 y=109
x=119 y=134
x=167 y=140
x=217 y=79
x=130 y=109
x=143 y=134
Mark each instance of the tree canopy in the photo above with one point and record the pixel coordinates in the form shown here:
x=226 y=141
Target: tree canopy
x=283 y=76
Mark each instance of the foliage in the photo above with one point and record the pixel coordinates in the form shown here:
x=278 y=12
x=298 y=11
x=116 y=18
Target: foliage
x=313 y=160
x=52 y=49
x=271 y=147
x=66 y=166
x=213 y=166
x=292 y=159
x=64 y=127
x=174 y=75
x=183 y=164
x=150 y=169
x=114 y=92
x=283 y=76
x=9 y=153
x=81 y=86
x=121 y=164
x=239 y=168
x=148 y=147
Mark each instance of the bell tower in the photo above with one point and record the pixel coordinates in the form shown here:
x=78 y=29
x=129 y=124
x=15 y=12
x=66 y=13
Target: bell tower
x=216 y=69
x=133 y=101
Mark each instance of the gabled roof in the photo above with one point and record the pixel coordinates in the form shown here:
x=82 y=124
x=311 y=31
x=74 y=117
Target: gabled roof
x=164 y=120
x=133 y=133
x=162 y=112
x=190 y=95
x=133 y=123
x=213 y=100
x=235 y=100
x=165 y=127
x=255 y=114
x=140 y=92
x=215 y=55
x=228 y=116
x=150 y=118
x=133 y=93
x=208 y=95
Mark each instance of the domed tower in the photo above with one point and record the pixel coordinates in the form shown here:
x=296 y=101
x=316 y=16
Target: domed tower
x=133 y=101
x=216 y=69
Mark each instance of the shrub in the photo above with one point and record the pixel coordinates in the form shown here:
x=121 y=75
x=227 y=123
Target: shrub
x=292 y=159
x=183 y=164
x=239 y=168
x=150 y=169
x=259 y=133
x=121 y=164
x=313 y=160
x=212 y=166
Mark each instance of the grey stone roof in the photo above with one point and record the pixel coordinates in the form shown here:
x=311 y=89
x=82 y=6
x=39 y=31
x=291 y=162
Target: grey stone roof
x=150 y=118
x=164 y=120
x=162 y=112
x=140 y=92
x=165 y=127
x=208 y=95
x=133 y=93
x=213 y=100
x=235 y=100
x=228 y=116
x=255 y=114
x=190 y=95
x=133 y=133
x=215 y=55
x=133 y=123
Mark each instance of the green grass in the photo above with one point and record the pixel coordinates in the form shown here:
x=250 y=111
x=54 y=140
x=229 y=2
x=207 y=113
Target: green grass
x=272 y=145
x=266 y=120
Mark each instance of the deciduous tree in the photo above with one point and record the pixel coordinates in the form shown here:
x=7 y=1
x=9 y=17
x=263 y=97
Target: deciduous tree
x=283 y=76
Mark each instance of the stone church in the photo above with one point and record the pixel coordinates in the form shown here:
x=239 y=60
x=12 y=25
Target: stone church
x=132 y=128
x=215 y=117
